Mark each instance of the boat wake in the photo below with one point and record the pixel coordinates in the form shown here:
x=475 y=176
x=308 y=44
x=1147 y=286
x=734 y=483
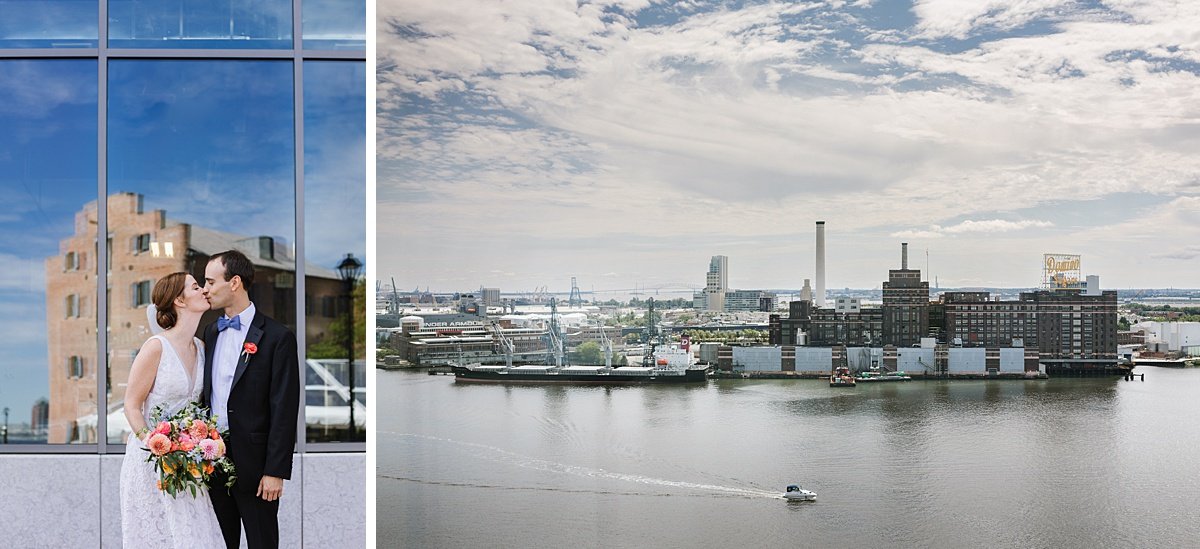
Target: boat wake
x=500 y=455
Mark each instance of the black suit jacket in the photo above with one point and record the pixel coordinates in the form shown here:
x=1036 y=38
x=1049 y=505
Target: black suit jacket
x=263 y=402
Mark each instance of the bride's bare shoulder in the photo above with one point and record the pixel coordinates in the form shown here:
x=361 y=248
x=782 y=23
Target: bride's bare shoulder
x=152 y=345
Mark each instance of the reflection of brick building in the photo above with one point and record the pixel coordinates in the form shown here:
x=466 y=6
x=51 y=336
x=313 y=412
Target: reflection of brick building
x=142 y=247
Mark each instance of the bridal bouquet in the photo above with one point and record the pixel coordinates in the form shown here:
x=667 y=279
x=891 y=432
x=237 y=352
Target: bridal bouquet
x=187 y=449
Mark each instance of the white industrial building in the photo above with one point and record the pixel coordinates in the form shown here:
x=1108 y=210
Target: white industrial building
x=1176 y=336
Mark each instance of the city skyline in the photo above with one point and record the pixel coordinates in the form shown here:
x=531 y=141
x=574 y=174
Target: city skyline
x=625 y=143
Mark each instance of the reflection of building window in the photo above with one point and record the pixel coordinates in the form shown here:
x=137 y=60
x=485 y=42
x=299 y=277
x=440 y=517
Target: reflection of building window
x=73 y=306
x=71 y=262
x=141 y=293
x=141 y=243
x=74 y=367
x=328 y=306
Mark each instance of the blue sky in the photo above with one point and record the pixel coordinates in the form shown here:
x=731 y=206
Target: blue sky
x=49 y=115
x=626 y=142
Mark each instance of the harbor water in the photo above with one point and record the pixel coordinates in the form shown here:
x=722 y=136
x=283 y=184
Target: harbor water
x=998 y=463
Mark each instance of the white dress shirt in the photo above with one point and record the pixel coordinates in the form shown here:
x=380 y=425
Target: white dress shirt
x=225 y=360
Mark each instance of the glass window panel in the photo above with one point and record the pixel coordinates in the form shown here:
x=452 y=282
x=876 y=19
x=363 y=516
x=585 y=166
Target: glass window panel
x=334 y=24
x=48 y=23
x=231 y=24
x=47 y=311
x=334 y=214
x=201 y=160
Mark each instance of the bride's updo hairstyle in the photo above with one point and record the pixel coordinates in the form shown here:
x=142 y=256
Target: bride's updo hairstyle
x=165 y=291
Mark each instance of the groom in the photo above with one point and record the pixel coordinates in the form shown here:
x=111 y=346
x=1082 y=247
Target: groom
x=252 y=383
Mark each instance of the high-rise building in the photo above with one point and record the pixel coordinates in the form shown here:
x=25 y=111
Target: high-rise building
x=718 y=273
x=806 y=293
x=716 y=283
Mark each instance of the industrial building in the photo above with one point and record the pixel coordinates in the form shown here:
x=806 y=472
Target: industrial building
x=905 y=305
x=1069 y=327
x=928 y=361
x=1183 y=337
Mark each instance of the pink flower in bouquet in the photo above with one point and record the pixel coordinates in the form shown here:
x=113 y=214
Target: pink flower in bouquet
x=213 y=434
x=198 y=429
x=159 y=444
x=209 y=448
x=220 y=448
x=164 y=428
x=187 y=446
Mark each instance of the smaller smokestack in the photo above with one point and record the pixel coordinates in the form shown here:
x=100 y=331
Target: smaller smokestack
x=904 y=256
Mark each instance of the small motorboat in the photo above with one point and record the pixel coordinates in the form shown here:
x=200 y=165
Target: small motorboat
x=796 y=493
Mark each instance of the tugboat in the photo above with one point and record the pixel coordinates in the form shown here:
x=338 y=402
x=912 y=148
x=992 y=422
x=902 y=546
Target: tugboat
x=796 y=493
x=841 y=378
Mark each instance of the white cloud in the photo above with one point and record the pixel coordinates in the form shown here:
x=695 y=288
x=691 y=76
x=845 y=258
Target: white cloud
x=970 y=226
x=958 y=18
x=569 y=125
x=21 y=274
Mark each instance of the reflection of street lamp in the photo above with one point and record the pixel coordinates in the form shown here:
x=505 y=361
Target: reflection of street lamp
x=349 y=269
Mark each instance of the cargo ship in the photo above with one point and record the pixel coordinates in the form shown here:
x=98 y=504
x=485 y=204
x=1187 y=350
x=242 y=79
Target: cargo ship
x=590 y=375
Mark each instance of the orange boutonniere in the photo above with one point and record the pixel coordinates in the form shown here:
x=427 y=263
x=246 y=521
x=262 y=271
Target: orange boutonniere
x=249 y=348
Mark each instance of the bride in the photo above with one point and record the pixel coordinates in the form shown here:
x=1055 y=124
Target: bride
x=167 y=371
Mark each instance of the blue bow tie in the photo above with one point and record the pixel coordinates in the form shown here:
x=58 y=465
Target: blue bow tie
x=235 y=323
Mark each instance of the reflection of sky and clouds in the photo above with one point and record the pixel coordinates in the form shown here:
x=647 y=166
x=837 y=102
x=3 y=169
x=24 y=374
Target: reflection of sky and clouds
x=210 y=142
x=48 y=23
x=200 y=23
x=48 y=110
x=334 y=161
x=334 y=24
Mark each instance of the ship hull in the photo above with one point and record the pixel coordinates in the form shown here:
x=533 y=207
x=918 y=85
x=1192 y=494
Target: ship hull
x=466 y=375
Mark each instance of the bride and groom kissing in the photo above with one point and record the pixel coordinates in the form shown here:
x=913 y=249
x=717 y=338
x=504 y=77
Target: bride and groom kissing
x=246 y=372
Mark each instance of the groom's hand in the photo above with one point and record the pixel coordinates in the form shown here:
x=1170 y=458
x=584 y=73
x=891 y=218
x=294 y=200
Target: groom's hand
x=270 y=488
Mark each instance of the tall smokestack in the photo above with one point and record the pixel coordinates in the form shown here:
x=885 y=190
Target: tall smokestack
x=820 y=264
x=904 y=256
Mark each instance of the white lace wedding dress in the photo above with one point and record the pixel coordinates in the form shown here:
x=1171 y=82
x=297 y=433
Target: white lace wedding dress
x=150 y=517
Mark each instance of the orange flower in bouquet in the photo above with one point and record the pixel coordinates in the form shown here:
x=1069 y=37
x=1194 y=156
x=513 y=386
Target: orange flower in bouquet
x=187 y=449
